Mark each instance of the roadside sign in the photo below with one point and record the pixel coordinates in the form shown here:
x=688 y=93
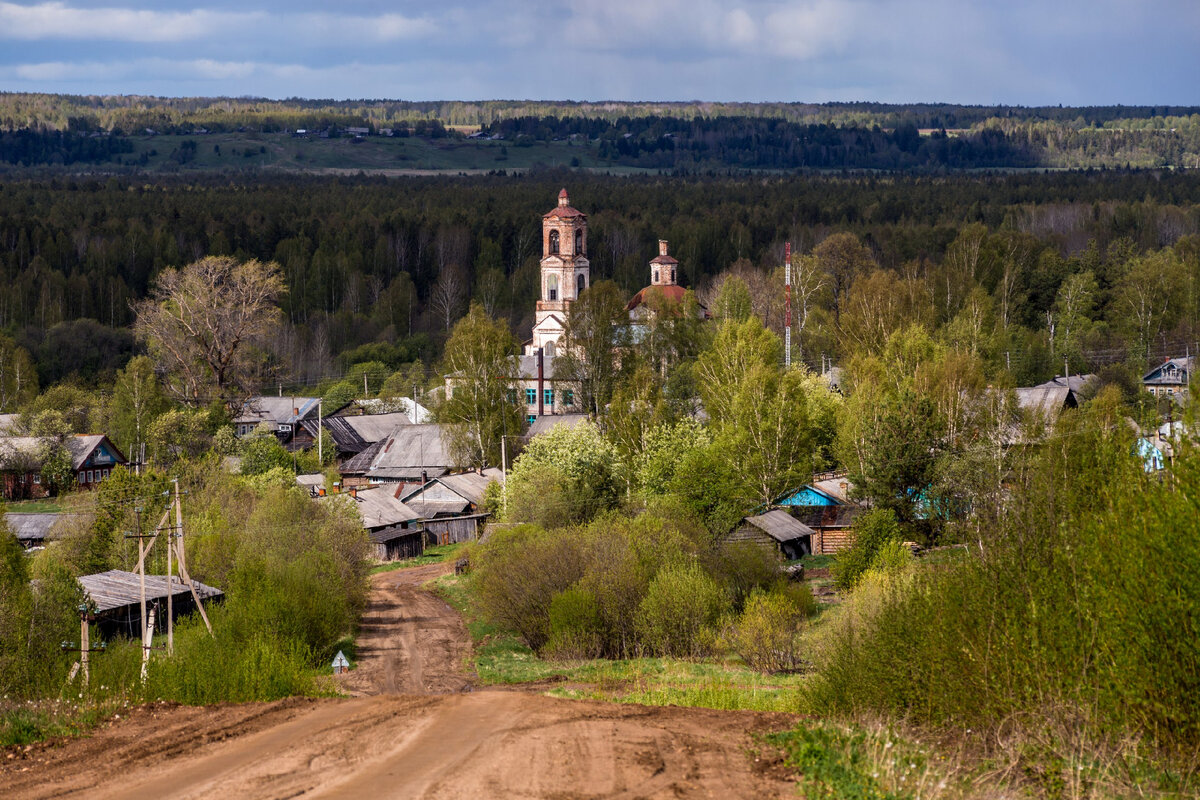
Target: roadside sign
x=340 y=664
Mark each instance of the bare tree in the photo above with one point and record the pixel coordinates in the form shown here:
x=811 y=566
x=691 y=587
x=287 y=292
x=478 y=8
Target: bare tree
x=205 y=325
x=447 y=296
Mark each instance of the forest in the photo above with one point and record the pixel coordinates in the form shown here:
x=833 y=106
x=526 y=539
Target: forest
x=389 y=264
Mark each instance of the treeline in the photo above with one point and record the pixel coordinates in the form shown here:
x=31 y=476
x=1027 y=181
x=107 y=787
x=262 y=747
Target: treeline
x=59 y=147
x=758 y=143
x=130 y=113
x=371 y=261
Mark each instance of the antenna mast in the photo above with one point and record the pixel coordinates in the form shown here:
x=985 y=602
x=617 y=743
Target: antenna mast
x=787 y=304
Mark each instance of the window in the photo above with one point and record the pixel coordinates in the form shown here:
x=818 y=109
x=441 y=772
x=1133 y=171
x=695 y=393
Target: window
x=568 y=397
x=90 y=476
x=580 y=284
x=37 y=478
x=512 y=396
x=548 y=350
x=552 y=287
x=532 y=418
x=672 y=274
x=530 y=396
x=548 y=396
x=579 y=241
x=656 y=276
x=553 y=243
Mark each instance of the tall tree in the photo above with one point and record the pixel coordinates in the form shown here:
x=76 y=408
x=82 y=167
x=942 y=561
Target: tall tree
x=481 y=364
x=595 y=328
x=137 y=400
x=205 y=325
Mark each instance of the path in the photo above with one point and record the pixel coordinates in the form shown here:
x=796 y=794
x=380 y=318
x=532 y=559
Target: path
x=439 y=740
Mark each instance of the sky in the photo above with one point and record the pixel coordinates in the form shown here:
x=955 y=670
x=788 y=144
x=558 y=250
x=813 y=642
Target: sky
x=1016 y=52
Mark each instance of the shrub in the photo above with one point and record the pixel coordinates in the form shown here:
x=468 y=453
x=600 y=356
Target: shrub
x=679 y=612
x=574 y=625
x=767 y=633
x=871 y=532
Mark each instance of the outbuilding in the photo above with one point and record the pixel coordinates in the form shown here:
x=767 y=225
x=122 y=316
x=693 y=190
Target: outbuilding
x=776 y=530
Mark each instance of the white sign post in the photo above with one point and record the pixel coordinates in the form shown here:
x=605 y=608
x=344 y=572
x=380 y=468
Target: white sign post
x=340 y=664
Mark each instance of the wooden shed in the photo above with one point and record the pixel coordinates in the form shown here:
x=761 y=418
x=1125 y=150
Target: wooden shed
x=116 y=596
x=776 y=530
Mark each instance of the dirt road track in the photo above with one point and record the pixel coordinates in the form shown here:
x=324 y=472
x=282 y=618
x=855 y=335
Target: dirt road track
x=381 y=744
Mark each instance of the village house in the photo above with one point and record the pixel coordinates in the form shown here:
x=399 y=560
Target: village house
x=409 y=455
x=1170 y=379
x=33 y=530
x=116 y=598
x=22 y=459
x=451 y=506
x=393 y=527
x=353 y=434
x=283 y=414
x=824 y=505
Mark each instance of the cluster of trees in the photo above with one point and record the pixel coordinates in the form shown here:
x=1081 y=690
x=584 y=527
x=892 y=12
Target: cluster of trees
x=391 y=264
x=59 y=147
x=130 y=113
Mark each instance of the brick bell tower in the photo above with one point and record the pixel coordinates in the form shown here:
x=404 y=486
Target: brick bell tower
x=565 y=272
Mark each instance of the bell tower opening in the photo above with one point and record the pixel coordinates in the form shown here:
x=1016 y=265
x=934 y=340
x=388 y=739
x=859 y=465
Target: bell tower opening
x=553 y=243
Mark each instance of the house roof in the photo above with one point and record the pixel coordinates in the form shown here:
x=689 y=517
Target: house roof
x=1048 y=401
x=469 y=486
x=1172 y=372
x=31 y=527
x=117 y=589
x=353 y=434
x=410 y=450
x=838 y=487
x=377 y=506
x=1073 y=382
x=81 y=446
x=780 y=526
x=279 y=410
x=551 y=421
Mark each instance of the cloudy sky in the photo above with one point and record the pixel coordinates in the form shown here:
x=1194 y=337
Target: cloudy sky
x=1073 y=52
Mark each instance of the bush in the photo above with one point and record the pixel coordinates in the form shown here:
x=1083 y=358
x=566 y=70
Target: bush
x=871 y=532
x=767 y=633
x=575 y=625
x=679 y=612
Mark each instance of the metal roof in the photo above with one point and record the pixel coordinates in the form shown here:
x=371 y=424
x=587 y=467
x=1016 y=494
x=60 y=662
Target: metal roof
x=1048 y=401
x=279 y=410
x=780 y=526
x=31 y=527
x=376 y=506
x=550 y=421
x=117 y=589
x=411 y=450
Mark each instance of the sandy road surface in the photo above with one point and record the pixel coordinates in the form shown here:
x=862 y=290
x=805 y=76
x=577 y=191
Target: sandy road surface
x=439 y=740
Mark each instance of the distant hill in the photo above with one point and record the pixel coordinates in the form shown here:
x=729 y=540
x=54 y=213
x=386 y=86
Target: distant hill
x=393 y=136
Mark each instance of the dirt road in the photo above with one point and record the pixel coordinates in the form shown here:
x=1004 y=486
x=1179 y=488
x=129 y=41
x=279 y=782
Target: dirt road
x=436 y=740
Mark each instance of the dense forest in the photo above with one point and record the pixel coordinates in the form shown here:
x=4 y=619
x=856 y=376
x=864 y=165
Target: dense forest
x=52 y=130
x=371 y=261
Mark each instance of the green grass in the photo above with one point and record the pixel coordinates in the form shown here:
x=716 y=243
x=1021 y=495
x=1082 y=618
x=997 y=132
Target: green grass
x=501 y=658
x=26 y=723
x=44 y=506
x=432 y=555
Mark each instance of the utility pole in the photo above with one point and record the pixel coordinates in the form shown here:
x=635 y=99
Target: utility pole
x=320 y=449
x=787 y=304
x=504 y=473
x=85 y=647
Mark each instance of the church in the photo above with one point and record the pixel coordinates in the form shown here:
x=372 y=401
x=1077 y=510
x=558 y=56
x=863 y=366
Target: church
x=565 y=274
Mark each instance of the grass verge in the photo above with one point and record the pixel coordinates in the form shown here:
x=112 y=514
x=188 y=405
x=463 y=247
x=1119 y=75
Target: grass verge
x=432 y=555
x=23 y=723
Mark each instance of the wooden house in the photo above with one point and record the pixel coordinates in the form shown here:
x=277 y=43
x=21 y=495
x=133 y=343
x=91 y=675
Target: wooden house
x=410 y=455
x=352 y=434
x=776 y=530
x=825 y=506
x=1170 y=379
x=22 y=458
x=395 y=529
x=451 y=506
x=283 y=414
x=32 y=530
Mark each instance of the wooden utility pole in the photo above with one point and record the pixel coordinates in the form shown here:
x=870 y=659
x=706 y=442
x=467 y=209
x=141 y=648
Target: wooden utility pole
x=84 y=646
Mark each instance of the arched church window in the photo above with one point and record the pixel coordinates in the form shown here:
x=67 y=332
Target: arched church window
x=554 y=243
x=579 y=241
x=580 y=284
x=672 y=274
x=656 y=276
x=548 y=350
x=552 y=287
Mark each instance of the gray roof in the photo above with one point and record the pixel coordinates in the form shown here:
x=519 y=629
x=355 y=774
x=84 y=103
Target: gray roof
x=409 y=451
x=279 y=410
x=376 y=506
x=451 y=494
x=780 y=526
x=117 y=589
x=354 y=434
x=79 y=446
x=545 y=423
x=1172 y=372
x=31 y=527
x=1047 y=401
x=1073 y=382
